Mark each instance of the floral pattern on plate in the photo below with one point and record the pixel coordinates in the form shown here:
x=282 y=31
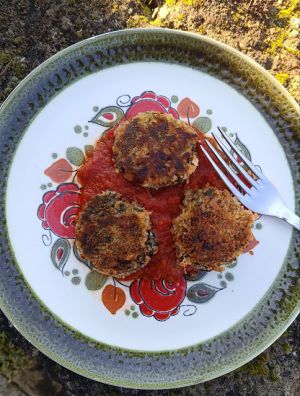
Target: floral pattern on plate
x=59 y=208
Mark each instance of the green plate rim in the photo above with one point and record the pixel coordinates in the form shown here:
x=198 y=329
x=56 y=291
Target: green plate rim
x=293 y=308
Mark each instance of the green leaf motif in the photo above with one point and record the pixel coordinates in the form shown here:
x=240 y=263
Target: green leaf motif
x=75 y=156
x=203 y=124
x=95 y=281
x=60 y=253
x=201 y=293
x=108 y=116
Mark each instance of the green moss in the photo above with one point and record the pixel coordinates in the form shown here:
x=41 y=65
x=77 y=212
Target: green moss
x=138 y=21
x=292 y=6
x=278 y=43
x=202 y=30
x=257 y=366
x=236 y=16
x=260 y=366
x=282 y=77
x=206 y=386
x=19 y=41
x=157 y=22
x=171 y=2
x=291 y=50
x=284 y=15
x=12 y=358
x=190 y=2
x=9 y=61
x=18 y=69
x=114 y=8
x=287 y=347
x=4 y=58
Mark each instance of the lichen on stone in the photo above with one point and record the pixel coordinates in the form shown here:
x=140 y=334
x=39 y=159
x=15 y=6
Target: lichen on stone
x=12 y=358
x=257 y=366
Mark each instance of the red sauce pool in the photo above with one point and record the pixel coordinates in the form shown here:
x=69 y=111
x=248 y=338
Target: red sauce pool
x=98 y=174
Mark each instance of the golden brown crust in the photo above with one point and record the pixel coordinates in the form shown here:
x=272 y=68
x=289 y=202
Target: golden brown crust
x=212 y=230
x=155 y=150
x=115 y=235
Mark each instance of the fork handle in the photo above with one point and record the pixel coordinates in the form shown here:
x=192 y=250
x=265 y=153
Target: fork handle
x=289 y=216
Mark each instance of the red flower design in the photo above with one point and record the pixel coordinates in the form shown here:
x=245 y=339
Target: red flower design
x=149 y=101
x=160 y=299
x=59 y=210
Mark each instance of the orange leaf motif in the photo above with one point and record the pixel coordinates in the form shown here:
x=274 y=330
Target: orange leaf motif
x=60 y=171
x=188 y=109
x=113 y=298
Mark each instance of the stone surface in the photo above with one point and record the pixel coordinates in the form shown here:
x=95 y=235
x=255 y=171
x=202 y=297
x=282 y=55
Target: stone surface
x=33 y=30
x=9 y=388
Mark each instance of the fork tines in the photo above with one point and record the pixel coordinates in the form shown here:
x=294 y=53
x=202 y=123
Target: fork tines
x=254 y=185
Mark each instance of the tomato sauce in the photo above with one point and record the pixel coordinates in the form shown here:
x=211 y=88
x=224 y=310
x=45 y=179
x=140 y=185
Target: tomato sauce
x=98 y=174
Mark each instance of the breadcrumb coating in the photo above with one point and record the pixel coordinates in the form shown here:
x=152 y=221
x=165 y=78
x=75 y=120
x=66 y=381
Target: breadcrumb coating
x=155 y=150
x=212 y=230
x=115 y=235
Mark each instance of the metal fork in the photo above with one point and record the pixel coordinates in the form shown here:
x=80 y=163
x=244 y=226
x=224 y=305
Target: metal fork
x=262 y=197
